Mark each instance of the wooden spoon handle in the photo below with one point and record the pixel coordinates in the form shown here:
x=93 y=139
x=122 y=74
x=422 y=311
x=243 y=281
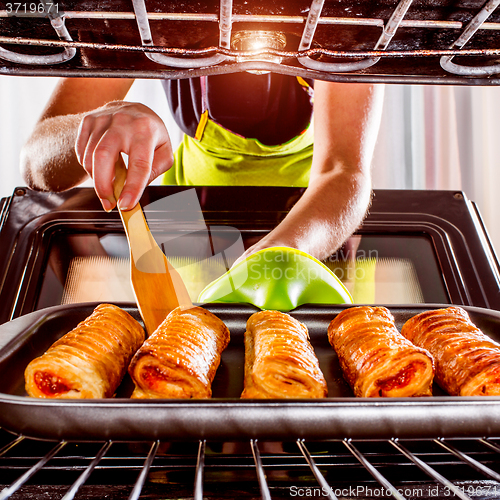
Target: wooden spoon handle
x=119 y=182
x=120 y=177
x=139 y=237
x=157 y=286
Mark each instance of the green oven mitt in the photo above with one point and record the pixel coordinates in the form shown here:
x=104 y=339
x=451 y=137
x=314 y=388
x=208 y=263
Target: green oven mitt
x=278 y=278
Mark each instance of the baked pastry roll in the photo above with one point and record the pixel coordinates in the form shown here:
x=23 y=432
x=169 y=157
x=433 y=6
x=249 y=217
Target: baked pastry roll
x=279 y=360
x=90 y=360
x=377 y=361
x=180 y=358
x=467 y=361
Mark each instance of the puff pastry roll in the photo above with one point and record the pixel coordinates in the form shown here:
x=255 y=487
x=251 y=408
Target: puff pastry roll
x=180 y=358
x=279 y=359
x=377 y=361
x=467 y=361
x=90 y=360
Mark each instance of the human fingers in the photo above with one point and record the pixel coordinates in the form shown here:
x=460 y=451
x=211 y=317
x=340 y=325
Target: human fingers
x=90 y=132
x=140 y=169
x=138 y=178
x=130 y=128
x=150 y=155
x=162 y=161
x=105 y=156
x=115 y=114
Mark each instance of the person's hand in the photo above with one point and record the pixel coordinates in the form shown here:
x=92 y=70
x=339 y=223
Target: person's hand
x=266 y=242
x=122 y=127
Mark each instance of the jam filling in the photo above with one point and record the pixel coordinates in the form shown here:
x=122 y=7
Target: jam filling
x=399 y=380
x=49 y=384
x=152 y=375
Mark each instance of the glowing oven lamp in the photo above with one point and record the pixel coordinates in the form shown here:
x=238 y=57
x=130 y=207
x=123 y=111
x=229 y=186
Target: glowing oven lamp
x=257 y=42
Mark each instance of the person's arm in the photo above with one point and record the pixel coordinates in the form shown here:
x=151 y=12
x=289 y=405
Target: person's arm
x=82 y=131
x=346 y=122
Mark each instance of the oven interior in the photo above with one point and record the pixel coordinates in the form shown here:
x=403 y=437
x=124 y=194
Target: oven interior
x=412 y=248
x=438 y=235
x=386 y=269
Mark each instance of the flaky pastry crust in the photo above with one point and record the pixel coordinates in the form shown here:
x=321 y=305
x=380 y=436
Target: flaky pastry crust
x=279 y=359
x=467 y=361
x=377 y=361
x=180 y=359
x=90 y=360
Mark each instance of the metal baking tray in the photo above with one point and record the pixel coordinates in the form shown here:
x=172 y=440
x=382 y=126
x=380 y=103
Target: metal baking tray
x=225 y=416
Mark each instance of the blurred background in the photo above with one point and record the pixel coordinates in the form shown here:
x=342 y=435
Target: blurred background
x=432 y=137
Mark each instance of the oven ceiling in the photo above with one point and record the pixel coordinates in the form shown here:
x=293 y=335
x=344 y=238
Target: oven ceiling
x=340 y=40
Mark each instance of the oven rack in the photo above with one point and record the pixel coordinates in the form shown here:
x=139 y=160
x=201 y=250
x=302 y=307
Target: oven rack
x=462 y=468
x=404 y=42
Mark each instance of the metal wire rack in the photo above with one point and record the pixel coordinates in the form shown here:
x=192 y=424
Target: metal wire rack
x=397 y=41
x=437 y=468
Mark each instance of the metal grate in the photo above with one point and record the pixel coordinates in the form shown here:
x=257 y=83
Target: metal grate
x=431 y=468
x=409 y=42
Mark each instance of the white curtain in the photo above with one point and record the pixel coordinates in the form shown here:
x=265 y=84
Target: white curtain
x=432 y=137
x=442 y=137
x=22 y=100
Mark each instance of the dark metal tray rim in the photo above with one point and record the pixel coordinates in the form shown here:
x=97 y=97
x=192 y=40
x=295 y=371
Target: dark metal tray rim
x=235 y=419
x=334 y=418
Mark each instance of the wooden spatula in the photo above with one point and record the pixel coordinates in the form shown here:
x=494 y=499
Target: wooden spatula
x=157 y=286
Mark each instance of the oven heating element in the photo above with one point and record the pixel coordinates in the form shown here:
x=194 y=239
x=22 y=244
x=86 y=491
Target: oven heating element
x=352 y=56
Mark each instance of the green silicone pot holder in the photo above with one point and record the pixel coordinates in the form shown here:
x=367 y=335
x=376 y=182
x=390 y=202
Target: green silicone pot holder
x=277 y=278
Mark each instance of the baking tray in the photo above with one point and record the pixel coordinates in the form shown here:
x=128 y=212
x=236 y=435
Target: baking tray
x=225 y=416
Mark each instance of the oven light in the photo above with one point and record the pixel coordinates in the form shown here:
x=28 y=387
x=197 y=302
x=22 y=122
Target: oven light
x=257 y=42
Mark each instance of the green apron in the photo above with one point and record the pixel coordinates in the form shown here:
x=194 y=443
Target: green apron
x=219 y=157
